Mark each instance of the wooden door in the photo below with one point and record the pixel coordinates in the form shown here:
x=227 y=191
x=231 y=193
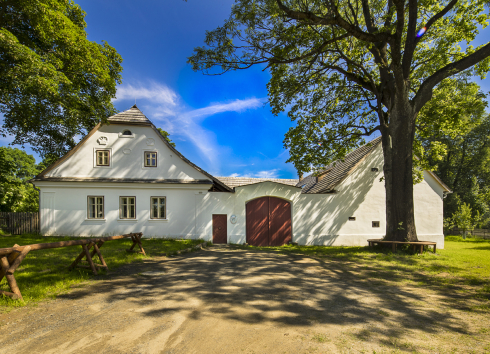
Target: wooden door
x=280 y=230
x=220 y=228
x=268 y=222
x=258 y=222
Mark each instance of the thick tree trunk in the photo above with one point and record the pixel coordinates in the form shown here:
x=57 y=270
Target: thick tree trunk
x=397 y=142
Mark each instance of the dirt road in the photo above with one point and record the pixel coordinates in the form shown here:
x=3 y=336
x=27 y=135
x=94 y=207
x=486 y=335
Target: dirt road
x=226 y=300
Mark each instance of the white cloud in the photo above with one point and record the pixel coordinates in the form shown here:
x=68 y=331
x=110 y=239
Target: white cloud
x=165 y=107
x=153 y=92
x=268 y=174
x=261 y=174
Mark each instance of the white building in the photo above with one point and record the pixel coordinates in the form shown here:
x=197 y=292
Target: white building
x=125 y=177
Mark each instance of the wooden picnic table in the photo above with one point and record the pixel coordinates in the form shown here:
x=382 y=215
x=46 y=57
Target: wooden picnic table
x=12 y=257
x=394 y=244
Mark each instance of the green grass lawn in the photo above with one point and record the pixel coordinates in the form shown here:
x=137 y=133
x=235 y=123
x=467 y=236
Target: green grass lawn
x=44 y=273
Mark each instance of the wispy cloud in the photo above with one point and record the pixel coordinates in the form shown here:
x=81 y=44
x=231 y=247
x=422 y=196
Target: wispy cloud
x=153 y=92
x=261 y=174
x=165 y=107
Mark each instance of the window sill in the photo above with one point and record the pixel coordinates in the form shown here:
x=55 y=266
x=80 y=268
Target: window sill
x=95 y=220
x=127 y=220
x=157 y=220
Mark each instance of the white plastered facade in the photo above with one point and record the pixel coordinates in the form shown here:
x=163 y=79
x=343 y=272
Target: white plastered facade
x=317 y=219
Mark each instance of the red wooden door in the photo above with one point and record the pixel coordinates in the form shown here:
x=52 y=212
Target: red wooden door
x=220 y=228
x=258 y=222
x=280 y=229
x=268 y=222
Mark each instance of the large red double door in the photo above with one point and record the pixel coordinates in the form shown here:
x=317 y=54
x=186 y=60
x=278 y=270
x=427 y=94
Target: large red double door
x=268 y=222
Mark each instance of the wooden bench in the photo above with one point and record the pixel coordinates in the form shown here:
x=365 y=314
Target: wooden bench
x=12 y=257
x=394 y=244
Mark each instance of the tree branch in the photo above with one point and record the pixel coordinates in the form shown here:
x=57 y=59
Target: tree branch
x=352 y=77
x=424 y=93
x=310 y=53
x=411 y=36
x=334 y=19
x=437 y=16
x=412 y=39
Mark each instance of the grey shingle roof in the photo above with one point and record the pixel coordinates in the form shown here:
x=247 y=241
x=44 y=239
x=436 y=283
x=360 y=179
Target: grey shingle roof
x=131 y=116
x=233 y=182
x=337 y=171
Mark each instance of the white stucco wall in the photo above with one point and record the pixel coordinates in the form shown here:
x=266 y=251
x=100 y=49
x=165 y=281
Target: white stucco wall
x=320 y=219
x=323 y=219
x=70 y=209
x=126 y=157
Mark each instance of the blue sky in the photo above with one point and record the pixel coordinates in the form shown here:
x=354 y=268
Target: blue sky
x=221 y=123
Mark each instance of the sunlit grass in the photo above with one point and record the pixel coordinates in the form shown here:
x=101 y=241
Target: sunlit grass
x=44 y=274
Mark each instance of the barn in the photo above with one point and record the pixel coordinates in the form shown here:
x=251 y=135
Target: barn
x=125 y=177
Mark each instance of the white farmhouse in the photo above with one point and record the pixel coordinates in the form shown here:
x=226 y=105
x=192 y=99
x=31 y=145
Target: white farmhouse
x=125 y=177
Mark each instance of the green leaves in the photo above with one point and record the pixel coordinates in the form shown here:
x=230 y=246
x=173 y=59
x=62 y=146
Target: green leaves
x=55 y=83
x=336 y=67
x=166 y=135
x=16 y=168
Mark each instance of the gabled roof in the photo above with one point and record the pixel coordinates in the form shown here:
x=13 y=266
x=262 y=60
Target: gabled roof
x=131 y=116
x=135 y=117
x=243 y=181
x=336 y=172
x=443 y=185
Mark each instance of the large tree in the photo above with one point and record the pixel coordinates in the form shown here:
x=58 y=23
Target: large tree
x=346 y=69
x=457 y=147
x=55 y=83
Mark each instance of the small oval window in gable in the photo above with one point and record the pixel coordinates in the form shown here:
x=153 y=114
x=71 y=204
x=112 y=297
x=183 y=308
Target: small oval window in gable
x=127 y=132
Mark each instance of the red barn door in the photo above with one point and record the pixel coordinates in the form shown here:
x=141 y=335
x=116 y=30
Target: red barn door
x=268 y=222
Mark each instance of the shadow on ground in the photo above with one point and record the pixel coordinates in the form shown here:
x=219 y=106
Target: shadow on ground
x=257 y=287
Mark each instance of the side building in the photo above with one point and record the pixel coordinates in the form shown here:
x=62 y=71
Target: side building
x=125 y=177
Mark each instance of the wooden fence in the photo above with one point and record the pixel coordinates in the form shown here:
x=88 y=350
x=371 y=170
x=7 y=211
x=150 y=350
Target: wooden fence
x=479 y=233
x=19 y=223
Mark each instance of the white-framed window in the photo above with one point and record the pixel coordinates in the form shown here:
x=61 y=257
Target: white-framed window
x=102 y=157
x=150 y=158
x=158 y=207
x=127 y=207
x=95 y=207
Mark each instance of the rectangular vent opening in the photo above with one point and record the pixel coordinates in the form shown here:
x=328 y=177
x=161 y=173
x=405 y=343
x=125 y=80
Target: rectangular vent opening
x=352 y=218
x=375 y=223
x=374 y=169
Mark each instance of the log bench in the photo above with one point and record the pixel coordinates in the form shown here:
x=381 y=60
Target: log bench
x=416 y=244
x=12 y=257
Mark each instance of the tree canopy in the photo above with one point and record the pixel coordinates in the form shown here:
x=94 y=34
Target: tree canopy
x=348 y=69
x=55 y=83
x=16 y=168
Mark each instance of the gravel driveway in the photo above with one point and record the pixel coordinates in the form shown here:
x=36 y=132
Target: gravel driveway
x=227 y=300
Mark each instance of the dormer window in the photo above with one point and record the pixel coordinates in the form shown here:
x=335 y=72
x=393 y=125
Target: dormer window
x=127 y=132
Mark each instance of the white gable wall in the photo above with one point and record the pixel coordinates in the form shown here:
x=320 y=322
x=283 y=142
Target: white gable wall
x=126 y=157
